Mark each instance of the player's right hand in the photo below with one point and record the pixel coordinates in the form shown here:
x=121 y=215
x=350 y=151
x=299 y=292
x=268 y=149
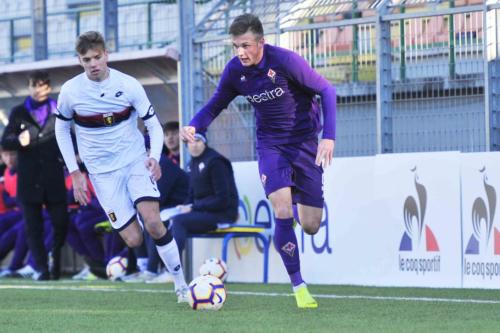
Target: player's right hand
x=187 y=133
x=154 y=167
x=324 y=155
x=24 y=138
x=80 y=189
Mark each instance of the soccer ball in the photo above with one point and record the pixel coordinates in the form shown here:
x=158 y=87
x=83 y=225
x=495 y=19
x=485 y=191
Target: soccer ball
x=207 y=292
x=116 y=267
x=215 y=267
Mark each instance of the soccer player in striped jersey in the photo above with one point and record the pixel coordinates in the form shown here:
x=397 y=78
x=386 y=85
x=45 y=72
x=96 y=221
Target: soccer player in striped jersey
x=104 y=105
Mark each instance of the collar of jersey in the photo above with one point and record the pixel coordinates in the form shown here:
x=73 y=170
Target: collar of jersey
x=100 y=83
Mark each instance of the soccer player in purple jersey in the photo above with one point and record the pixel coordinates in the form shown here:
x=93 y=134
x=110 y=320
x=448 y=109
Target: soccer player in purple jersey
x=281 y=86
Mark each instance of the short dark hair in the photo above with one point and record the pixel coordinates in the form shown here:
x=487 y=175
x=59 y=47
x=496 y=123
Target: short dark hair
x=244 y=23
x=38 y=77
x=88 y=41
x=171 y=126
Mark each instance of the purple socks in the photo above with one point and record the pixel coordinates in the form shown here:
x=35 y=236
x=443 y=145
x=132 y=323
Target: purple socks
x=286 y=245
x=296 y=213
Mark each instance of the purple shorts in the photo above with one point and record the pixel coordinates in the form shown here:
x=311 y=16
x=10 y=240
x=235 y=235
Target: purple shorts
x=293 y=165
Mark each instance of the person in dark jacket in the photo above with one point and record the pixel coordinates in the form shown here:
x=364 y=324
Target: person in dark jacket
x=30 y=132
x=213 y=197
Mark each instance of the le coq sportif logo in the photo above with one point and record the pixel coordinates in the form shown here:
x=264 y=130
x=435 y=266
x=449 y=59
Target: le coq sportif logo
x=417 y=233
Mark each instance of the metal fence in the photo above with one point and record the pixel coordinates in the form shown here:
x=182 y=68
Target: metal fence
x=142 y=24
x=410 y=75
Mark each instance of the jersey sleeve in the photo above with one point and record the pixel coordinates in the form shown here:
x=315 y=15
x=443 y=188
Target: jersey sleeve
x=65 y=143
x=156 y=137
x=64 y=114
x=223 y=95
x=145 y=110
x=64 y=109
x=302 y=73
x=139 y=99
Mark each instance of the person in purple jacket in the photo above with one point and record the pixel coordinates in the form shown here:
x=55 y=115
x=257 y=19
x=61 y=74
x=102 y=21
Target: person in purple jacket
x=40 y=169
x=282 y=88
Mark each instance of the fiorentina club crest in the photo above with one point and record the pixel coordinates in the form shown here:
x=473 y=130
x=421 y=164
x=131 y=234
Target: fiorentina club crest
x=272 y=75
x=263 y=179
x=289 y=248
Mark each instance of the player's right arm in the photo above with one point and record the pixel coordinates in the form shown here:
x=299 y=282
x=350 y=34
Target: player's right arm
x=64 y=118
x=223 y=95
x=145 y=110
x=303 y=74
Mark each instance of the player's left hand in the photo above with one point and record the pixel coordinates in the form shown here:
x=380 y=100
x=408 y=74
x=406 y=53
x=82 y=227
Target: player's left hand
x=325 y=152
x=154 y=167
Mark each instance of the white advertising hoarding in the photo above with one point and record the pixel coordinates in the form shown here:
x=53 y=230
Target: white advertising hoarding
x=481 y=224
x=326 y=257
x=336 y=254
x=417 y=211
x=421 y=219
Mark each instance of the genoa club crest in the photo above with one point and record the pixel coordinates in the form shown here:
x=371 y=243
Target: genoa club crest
x=108 y=118
x=112 y=216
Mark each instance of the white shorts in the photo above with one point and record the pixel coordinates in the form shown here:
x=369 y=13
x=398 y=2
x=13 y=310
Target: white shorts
x=120 y=191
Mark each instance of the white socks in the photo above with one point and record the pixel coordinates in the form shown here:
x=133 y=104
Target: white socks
x=169 y=254
x=303 y=284
x=142 y=264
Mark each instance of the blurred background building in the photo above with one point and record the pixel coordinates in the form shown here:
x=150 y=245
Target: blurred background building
x=411 y=75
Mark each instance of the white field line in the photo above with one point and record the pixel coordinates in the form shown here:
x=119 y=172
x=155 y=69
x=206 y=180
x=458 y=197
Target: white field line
x=263 y=294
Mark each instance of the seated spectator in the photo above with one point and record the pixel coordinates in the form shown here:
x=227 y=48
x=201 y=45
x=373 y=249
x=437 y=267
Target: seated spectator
x=82 y=236
x=12 y=226
x=171 y=146
x=10 y=215
x=213 y=197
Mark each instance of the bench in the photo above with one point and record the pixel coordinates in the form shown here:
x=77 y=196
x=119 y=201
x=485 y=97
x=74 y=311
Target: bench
x=228 y=231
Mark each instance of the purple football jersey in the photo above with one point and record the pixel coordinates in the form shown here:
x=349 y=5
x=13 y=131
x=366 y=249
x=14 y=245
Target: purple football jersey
x=282 y=90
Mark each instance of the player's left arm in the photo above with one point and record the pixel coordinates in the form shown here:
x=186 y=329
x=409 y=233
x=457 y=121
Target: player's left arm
x=302 y=73
x=147 y=113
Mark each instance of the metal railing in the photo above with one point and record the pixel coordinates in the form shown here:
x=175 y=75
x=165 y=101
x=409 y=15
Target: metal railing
x=141 y=25
x=440 y=94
